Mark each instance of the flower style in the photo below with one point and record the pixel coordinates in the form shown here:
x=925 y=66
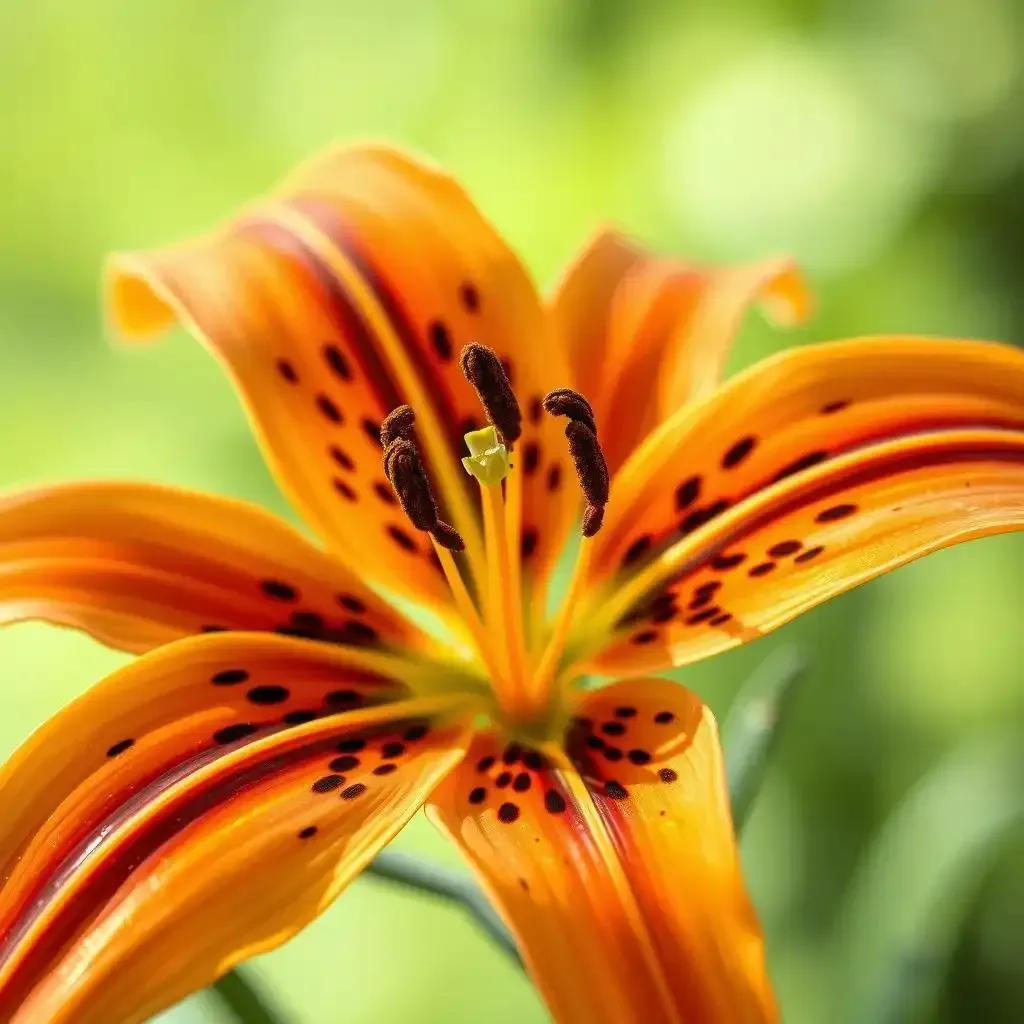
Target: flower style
x=295 y=704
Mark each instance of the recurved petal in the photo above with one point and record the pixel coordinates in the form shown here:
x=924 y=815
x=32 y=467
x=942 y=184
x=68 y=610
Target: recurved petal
x=138 y=565
x=614 y=863
x=811 y=473
x=220 y=823
x=348 y=292
x=647 y=334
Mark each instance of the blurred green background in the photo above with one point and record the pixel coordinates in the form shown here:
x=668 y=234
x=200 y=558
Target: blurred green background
x=879 y=141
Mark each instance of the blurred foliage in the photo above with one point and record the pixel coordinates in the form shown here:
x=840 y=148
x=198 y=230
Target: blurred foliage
x=878 y=141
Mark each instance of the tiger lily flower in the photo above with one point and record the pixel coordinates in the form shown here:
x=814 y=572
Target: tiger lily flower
x=296 y=703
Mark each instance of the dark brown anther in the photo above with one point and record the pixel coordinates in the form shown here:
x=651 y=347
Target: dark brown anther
x=569 y=403
x=585 y=449
x=397 y=424
x=484 y=371
x=593 y=517
x=404 y=468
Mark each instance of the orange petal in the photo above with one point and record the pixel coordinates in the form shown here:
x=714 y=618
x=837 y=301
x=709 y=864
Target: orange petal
x=621 y=886
x=351 y=290
x=808 y=538
x=632 y=319
x=787 y=417
x=138 y=873
x=138 y=565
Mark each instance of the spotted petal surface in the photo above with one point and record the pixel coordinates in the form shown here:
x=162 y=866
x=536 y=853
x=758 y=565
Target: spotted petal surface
x=138 y=565
x=232 y=806
x=613 y=861
x=646 y=334
x=810 y=473
x=349 y=292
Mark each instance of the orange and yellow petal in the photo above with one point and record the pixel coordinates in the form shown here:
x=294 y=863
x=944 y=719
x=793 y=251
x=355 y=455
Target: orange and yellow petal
x=614 y=862
x=138 y=565
x=350 y=290
x=140 y=871
x=810 y=473
x=646 y=334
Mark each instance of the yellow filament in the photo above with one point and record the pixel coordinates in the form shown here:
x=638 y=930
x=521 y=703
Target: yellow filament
x=514 y=543
x=501 y=613
x=544 y=677
x=466 y=608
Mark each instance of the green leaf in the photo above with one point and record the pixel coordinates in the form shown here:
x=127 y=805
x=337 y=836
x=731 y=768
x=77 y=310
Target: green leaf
x=914 y=887
x=753 y=725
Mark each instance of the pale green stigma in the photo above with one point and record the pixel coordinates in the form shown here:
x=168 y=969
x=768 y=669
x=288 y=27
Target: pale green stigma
x=488 y=458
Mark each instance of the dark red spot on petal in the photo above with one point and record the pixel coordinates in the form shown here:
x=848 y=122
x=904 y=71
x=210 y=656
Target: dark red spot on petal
x=385 y=493
x=478 y=795
x=485 y=764
x=615 y=790
x=402 y=539
x=613 y=728
x=830 y=515
x=799 y=465
x=720 y=619
x=806 y=556
x=341 y=458
x=528 y=543
x=831 y=407
x=703 y=615
x=784 y=548
x=337 y=362
x=441 y=340
x=268 y=695
x=664 y=717
x=287 y=371
x=687 y=493
x=344 y=763
x=508 y=812
x=521 y=783
x=667 y=774
x=343 y=489
x=352 y=604
x=385 y=769
x=329 y=408
x=279 y=590
x=554 y=802
x=762 y=569
x=353 y=791
x=637 y=549
x=230 y=733
x=120 y=747
x=308 y=832
x=327 y=783
x=638 y=756
x=554 y=477
x=229 y=677
x=723 y=563
x=646 y=637
x=738 y=452
x=469 y=296
x=531 y=457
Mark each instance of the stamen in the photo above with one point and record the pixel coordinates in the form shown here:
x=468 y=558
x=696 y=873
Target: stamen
x=397 y=424
x=404 y=468
x=484 y=371
x=585 y=449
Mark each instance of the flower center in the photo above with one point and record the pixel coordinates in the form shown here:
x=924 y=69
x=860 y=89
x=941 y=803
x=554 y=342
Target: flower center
x=490 y=602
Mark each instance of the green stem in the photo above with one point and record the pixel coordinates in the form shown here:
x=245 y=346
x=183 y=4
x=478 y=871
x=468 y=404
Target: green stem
x=242 y=998
x=752 y=728
x=447 y=884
